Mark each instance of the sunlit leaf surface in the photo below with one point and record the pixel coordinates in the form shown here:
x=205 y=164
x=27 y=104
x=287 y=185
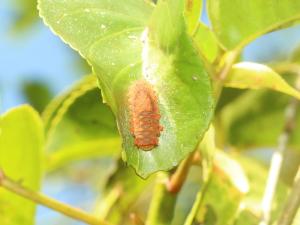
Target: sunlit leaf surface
x=124 y=43
x=21 y=145
x=238 y=22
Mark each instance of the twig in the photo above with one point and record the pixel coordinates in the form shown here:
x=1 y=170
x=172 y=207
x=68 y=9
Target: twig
x=67 y=210
x=292 y=204
x=176 y=181
x=276 y=161
x=104 y=207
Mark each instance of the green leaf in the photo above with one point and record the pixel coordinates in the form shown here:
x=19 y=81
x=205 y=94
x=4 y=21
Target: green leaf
x=253 y=75
x=21 y=144
x=109 y=35
x=236 y=23
x=80 y=126
x=166 y=24
x=106 y=33
x=192 y=13
x=206 y=42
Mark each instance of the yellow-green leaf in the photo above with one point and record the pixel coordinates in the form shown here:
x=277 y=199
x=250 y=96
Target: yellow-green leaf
x=21 y=144
x=192 y=14
x=255 y=76
x=80 y=126
x=238 y=22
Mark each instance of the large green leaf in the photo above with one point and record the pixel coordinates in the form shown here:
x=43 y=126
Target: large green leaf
x=107 y=33
x=80 y=126
x=238 y=22
x=256 y=76
x=21 y=144
x=113 y=37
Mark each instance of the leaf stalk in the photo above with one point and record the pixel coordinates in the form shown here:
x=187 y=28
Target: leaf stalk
x=41 y=199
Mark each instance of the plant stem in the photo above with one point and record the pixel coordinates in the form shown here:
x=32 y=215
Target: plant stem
x=163 y=203
x=276 y=161
x=104 y=207
x=177 y=179
x=198 y=202
x=67 y=210
x=292 y=204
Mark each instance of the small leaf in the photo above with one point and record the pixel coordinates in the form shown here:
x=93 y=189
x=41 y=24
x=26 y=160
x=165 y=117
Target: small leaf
x=126 y=43
x=21 y=144
x=253 y=75
x=236 y=23
x=192 y=13
x=206 y=42
x=80 y=126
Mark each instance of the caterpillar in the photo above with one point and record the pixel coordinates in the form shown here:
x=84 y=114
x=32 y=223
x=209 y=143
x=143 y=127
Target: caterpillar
x=144 y=115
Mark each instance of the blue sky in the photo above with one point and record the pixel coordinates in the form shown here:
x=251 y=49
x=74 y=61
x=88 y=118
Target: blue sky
x=36 y=54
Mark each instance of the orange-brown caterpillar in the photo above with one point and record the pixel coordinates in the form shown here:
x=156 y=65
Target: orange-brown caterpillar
x=144 y=112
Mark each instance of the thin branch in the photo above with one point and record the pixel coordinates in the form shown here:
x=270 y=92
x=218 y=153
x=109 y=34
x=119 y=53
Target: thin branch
x=65 y=209
x=104 y=207
x=292 y=204
x=177 y=180
x=276 y=161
